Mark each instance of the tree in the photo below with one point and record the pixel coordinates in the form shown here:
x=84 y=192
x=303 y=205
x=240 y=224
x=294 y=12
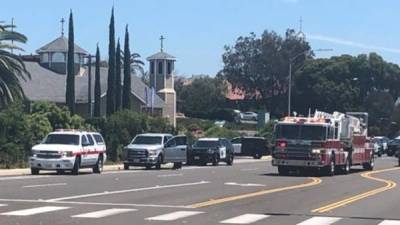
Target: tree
x=97 y=87
x=126 y=94
x=203 y=97
x=70 y=88
x=12 y=68
x=137 y=65
x=118 y=91
x=111 y=68
x=259 y=66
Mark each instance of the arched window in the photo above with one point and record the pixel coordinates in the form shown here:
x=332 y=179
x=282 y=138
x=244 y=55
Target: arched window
x=44 y=58
x=58 y=57
x=160 y=68
x=169 y=68
x=151 y=67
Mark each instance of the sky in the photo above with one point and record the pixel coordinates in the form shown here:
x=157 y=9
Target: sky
x=196 y=31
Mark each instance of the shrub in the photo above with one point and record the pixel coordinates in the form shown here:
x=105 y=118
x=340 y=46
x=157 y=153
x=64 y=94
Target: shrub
x=221 y=132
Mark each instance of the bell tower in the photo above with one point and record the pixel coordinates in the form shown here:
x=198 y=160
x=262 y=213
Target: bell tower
x=161 y=70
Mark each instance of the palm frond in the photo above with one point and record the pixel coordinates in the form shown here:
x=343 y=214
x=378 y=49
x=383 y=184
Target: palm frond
x=6 y=35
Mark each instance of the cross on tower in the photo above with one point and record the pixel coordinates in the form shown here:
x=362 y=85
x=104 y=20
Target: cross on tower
x=62 y=26
x=162 y=42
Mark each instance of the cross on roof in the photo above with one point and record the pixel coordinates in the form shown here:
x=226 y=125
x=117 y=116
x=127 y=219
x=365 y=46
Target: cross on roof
x=62 y=26
x=162 y=38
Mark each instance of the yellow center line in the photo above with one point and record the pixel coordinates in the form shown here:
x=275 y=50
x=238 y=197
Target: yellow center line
x=314 y=181
x=389 y=185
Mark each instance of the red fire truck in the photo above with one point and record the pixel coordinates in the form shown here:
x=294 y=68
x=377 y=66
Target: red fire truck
x=327 y=142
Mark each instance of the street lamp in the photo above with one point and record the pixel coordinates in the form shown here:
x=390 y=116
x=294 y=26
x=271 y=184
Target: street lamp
x=89 y=63
x=291 y=60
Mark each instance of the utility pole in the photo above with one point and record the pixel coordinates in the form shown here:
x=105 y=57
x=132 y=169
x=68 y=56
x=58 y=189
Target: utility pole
x=90 y=111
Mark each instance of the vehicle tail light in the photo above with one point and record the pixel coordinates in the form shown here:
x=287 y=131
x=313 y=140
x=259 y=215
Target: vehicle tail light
x=282 y=144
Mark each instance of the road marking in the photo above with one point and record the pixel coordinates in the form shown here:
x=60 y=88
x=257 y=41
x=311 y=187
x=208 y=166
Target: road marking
x=22 y=177
x=103 y=213
x=174 y=215
x=2 y=205
x=244 y=185
x=170 y=175
x=320 y=221
x=34 y=211
x=249 y=169
x=44 y=185
x=128 y=190
x=314 y=181
x=389 y=185
x=245 y=219
x=390 y=222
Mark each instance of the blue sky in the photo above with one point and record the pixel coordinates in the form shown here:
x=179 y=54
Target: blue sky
x=196 y=31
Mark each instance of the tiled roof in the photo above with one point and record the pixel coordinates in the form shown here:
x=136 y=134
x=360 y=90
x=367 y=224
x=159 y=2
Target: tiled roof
x=46 y=85
x=60 y=45
x=161 y=55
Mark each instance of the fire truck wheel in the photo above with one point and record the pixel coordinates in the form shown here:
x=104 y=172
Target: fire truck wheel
x=330 y=170
x=77 y=165
x=283 y=170
x=369 y=165
x=346 y=167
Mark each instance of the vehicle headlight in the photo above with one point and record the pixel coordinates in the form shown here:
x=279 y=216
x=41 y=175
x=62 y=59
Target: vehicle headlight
x=34 y=153
x=210 y=150
x=152 y=152
x=316 y=151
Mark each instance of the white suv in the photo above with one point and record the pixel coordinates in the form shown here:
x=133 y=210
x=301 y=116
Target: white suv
x=69 y=150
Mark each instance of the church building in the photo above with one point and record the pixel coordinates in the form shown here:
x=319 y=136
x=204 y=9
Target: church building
x=48 y=81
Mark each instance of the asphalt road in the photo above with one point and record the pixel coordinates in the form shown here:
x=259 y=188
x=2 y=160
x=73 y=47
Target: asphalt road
x=249 y=192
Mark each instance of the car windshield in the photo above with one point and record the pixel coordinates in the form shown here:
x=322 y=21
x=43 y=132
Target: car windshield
x=300 y=132
x=63 y=139
x=147 y=140
x=206 y=144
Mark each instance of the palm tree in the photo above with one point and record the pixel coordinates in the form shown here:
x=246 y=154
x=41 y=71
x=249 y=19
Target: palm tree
x=12 y=68
x=136 y=64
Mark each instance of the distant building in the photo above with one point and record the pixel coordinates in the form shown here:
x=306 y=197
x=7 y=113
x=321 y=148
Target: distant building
x=48 y=81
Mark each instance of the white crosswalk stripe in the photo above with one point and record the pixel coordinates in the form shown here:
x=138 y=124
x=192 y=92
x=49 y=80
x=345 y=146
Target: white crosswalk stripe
x=174 y=216
x=1 y=205
x=318 y=220
x=245 y=219
x=34 y=211
x=390 y=222
x=103 y=213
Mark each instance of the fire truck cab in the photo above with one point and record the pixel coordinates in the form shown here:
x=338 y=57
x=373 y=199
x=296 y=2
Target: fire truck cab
x=327 y=142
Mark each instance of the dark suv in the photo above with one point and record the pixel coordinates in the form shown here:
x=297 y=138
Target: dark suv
x=393 y=147
x=212 y=150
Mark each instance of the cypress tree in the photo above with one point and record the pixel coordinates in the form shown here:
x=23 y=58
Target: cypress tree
x=111 y=68
x=126 y=94
x=97 y=88
x=118 y=91
x=70 y=84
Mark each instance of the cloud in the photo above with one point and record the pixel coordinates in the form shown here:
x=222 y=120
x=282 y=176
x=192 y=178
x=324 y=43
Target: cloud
x=340 y=41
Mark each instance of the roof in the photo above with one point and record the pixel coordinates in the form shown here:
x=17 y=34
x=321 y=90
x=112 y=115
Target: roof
x=60 y=45
x=209 y=139
x=46 y=85
x=161 y=55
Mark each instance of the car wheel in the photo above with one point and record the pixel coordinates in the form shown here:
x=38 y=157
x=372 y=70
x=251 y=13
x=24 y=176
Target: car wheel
x=34 y=171
x=60 y=172
x=257 y=156
x=77 y=165
x=159 y=162
x=177 y=165
x=215 y=160
x=126 y=166
x=98 y=168
x=230 y=160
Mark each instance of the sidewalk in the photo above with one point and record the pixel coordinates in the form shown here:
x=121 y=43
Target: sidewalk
x=116 y=167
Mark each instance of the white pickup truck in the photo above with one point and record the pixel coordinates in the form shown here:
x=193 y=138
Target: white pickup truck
x=69 y=150
x=153 y=149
